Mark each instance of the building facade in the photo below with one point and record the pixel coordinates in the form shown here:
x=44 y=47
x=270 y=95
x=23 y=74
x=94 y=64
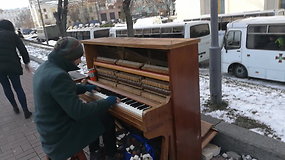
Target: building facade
x=79 y=11
x=186 y=9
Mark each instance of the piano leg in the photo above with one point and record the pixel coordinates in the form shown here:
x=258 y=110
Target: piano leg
x=164 y=153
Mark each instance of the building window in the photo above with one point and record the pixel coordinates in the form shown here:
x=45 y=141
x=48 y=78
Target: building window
x=282 y=4
x=103 y=17
x=112 y=15
x=44 y=10
x=119 y=13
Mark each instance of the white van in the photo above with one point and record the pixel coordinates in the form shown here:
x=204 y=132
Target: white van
x=255 y=47
x=193 y=29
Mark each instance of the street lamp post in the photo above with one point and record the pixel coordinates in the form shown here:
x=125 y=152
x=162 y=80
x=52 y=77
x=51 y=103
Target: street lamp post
x=215 y=57
x=42 y=19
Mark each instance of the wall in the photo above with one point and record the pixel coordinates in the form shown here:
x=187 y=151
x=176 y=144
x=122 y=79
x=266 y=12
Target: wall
x=236 y=6
x=187 y=9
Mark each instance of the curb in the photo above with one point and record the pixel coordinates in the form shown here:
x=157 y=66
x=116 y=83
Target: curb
x=243 y=141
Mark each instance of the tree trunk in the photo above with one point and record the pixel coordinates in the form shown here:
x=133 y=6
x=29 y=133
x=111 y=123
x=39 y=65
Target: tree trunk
x=129 y=20
x=61 y=16
x=64 y=17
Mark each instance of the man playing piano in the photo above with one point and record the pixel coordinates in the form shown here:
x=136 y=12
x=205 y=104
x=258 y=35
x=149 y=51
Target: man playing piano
x=67 y=125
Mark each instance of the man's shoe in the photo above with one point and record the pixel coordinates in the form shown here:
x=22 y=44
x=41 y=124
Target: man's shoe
x=16 y=109
x=27 y=114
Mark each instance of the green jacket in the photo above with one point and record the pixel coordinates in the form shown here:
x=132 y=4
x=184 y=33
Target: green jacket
x=64 y=122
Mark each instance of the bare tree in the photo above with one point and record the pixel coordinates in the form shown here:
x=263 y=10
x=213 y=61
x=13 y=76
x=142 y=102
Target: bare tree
x=27 y=23
x=61 y=16
x=74 y=14
x=129 y=20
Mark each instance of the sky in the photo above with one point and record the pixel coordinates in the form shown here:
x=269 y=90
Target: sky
x=12 y=4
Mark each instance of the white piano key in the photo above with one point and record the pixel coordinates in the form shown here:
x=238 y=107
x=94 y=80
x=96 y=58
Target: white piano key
x=121 y=104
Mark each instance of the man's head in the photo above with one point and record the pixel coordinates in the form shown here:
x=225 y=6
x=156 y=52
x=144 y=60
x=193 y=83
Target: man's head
x=7 y=25
x=70 y=48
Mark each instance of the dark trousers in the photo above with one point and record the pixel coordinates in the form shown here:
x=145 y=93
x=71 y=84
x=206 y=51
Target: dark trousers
x=15 y=80
x=109 y=137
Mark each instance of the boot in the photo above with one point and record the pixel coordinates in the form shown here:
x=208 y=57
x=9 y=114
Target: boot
x=27 y=114
x=97 y=155
x=16 y=109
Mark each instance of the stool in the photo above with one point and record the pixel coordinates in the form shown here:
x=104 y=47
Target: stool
x=78 y=156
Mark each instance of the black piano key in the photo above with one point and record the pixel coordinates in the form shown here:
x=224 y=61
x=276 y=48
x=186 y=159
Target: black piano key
x=137 y=104
x=141 y=107
x=130 y=102
x=147 y=108
x=125 y=100
x=120 y=96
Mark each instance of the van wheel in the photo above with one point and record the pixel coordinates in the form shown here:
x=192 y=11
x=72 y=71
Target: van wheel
x=240 y=71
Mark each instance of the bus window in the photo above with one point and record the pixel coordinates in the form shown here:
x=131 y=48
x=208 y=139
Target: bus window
x=80 y=36
x=101 y=33
x=166 y=30
x=138 y=32
x=178 y=29
x=85 y=35
x=233 y=39
x=121 y=33
x=199 y=30
x=155 y=31
x=147 y=31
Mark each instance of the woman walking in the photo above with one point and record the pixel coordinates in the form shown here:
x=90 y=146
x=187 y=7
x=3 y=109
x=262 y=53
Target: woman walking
x=10 y=65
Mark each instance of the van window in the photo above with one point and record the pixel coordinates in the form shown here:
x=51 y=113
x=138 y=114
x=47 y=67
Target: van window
x=257 y=29
x=266 y=37
x=276 y=29
x=199 y=30
x=233 y=39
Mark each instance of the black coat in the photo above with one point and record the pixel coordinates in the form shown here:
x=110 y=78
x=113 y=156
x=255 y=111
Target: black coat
x=9 y=59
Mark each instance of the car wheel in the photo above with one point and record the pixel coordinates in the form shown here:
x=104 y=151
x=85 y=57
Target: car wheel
x=240 y=71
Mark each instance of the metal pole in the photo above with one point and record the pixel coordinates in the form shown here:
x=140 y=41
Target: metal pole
x=44 y=29
x=215 y=57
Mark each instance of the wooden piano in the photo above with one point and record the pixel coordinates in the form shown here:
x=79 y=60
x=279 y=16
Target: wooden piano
x=158 y=83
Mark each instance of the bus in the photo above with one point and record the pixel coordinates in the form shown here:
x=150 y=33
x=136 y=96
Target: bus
x=193 y=29
x=88 y=33
x=224 y=19
x=255 y=47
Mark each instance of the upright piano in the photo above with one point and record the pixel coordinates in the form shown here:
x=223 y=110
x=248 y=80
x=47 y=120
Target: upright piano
x=158 y=83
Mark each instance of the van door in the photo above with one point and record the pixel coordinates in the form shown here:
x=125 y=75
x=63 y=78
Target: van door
x=231 y=52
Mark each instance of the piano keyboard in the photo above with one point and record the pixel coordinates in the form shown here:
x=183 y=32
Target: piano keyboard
x=127 y=104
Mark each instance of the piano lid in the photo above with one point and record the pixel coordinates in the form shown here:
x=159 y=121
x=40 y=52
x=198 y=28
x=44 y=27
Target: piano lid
x=151 y=43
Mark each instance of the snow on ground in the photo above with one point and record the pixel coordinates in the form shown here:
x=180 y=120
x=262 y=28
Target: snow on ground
x=257 y=101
